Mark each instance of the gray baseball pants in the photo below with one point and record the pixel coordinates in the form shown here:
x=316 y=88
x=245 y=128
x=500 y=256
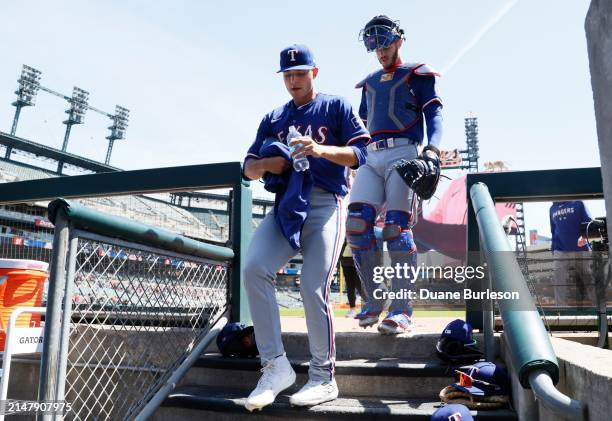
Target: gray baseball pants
x=322 y=238
x=379 y=185
x=573 y=278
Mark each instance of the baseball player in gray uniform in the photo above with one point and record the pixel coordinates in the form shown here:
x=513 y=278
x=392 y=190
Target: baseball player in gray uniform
x=332 y=138
x=395 y=101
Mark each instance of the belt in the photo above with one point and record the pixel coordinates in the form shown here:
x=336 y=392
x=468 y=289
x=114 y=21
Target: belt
x=390 y=142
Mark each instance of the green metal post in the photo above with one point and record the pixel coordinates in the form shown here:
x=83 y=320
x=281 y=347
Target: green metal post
x=240 y=236
x=473 y=310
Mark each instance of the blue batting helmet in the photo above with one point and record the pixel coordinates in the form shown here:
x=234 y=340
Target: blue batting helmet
x=457 y=344
x=237 y=340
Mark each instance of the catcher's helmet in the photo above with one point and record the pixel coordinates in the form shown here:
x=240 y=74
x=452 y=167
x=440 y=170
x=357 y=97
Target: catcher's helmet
x=380 y=32
x=237 y=340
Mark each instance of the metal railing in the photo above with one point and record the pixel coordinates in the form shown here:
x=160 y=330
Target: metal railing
x=122 y=315
x=130 y=306
x=534 y=186
x=530 y=348
x=149 y=181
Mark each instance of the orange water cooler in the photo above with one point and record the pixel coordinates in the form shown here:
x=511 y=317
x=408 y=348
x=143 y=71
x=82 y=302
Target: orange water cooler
x=21 y=285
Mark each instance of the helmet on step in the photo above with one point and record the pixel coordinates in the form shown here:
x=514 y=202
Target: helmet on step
x=237 y=340
x=456 y=343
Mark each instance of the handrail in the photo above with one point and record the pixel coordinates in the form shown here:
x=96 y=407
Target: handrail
x=530 y=348
x=151 y=180
x=546 y=392
x=137 y=232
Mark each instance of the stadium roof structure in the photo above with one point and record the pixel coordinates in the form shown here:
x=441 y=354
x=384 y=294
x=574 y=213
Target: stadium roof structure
x=20 y=144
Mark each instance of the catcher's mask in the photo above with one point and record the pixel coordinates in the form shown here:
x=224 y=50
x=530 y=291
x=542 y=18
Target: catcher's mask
x=380 y=32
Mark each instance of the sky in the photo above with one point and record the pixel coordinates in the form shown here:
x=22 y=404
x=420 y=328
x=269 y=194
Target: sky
x=199 y=76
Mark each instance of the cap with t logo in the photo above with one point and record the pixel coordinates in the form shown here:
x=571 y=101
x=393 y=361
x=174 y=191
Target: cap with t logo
x=296 y=57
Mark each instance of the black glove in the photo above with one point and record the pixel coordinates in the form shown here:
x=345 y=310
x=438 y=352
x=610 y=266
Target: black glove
x=421 y=174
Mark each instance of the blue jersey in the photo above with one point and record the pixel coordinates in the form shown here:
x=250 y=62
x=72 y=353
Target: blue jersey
x=565 y=219
x=393 y=101
x=328 y=120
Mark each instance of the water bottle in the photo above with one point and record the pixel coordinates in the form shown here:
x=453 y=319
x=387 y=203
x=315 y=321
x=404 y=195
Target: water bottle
x=300 y=164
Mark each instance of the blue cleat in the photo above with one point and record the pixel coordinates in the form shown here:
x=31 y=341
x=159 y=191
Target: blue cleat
x=395 y=323
x=367 y=318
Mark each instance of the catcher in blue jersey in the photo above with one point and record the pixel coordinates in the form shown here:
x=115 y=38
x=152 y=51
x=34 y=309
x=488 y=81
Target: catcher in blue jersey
x=332 y=137
x=397 y=102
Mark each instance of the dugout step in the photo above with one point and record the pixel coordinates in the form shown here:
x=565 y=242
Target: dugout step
x=388 y=377
x=198 y=402
x=369 y=344
x=388 y=367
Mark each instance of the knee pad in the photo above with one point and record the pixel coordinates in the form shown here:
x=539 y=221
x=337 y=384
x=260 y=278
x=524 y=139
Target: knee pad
x=360 y=226
x=397 y=232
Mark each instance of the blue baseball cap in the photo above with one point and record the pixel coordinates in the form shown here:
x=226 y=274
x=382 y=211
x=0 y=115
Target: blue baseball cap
x=296 y=57
x=453 y=412
x=483 y=379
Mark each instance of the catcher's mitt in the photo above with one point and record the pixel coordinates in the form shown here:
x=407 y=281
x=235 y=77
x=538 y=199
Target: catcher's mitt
x=451 y=395
x=421 y=174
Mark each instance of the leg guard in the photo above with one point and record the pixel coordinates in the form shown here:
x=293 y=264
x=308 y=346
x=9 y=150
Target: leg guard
x=366 y=254
x=402 y=251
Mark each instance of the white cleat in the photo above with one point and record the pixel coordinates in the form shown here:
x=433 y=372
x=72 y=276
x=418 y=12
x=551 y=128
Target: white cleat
x=277 y=376
x=314 y=393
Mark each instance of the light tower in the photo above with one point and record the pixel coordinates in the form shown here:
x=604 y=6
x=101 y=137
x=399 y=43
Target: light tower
x=76 y=112
x=29 y=84
x=76 y=115
x=120 y=124
x=471 y=153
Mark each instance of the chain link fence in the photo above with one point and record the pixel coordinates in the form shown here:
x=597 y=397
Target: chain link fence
x=568 y=280
x=136 y=314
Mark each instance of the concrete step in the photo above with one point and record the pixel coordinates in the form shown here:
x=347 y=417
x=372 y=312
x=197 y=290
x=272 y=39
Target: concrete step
x=368 y=344
x=389 y=377
x=205 y=402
